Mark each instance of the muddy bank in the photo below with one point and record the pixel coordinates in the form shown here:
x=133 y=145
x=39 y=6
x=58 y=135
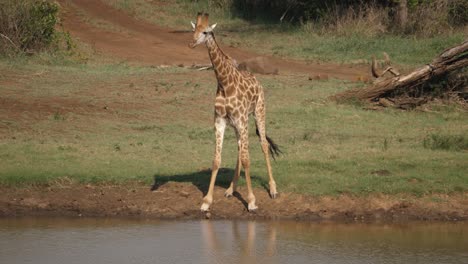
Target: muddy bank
x=181 y=201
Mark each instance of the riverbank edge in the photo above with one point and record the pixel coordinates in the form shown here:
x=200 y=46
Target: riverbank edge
x=181 y=201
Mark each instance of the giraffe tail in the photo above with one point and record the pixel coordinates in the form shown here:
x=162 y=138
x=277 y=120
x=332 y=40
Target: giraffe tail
x=274 y=149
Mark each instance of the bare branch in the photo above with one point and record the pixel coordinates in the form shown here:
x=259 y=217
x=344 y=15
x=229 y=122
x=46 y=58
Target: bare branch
x=9 y=40
x=376 y=72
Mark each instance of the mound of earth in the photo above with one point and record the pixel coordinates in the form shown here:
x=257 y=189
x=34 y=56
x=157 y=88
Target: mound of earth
x=258 y=65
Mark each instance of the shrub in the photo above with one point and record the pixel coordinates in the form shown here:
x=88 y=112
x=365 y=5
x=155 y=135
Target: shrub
x=367 y=20
x=421 y=17
x=429 y=19
x=27 y=25
x=458 y=12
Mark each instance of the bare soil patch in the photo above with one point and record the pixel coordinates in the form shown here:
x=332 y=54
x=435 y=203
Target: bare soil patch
x=123 y=99
x=175 y=200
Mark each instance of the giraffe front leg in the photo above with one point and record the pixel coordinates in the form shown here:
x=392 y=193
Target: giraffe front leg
x=220 y=126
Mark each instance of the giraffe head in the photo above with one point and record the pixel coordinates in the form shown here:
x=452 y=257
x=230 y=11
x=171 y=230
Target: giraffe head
x=202 y=31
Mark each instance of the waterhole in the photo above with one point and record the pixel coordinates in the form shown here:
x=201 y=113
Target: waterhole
x=99 y=240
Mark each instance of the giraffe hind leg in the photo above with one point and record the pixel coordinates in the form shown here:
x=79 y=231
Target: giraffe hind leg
x=245 y=161
x=268 y=146
x=233 y=187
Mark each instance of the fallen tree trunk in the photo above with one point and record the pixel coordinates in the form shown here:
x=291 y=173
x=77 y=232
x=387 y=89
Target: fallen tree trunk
x=451 y=59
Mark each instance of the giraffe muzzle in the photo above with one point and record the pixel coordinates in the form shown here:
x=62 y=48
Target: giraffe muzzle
x=192 y=44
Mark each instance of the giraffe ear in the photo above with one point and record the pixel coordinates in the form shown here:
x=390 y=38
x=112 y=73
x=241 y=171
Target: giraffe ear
x=193 y=25
x=213 y=26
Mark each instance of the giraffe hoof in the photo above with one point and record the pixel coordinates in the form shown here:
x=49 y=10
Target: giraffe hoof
x=253 y=211
x=252 y=208
x=274 y=195
x=228 y=193
x=205 y=207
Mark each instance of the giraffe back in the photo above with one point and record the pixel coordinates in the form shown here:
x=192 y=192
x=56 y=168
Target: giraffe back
x=238 y=98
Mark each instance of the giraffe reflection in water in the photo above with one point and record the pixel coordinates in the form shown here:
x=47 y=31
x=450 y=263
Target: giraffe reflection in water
x=241 y=240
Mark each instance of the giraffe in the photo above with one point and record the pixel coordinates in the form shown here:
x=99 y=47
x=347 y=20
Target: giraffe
x=238 y=95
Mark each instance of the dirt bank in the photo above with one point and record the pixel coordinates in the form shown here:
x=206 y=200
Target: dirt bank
x=182 y=200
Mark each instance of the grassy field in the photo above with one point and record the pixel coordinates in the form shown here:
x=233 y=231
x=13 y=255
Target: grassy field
x=72 y=119
x=114 y=123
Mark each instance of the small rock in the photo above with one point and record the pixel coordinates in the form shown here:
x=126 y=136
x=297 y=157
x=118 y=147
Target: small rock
x=381 y=172
x=319 y=77
x=414 y=180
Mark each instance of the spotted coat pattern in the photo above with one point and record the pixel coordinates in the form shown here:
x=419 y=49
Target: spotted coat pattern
x=238 y=95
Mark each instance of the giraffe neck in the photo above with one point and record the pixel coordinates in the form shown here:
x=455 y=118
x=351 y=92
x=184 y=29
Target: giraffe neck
x=223 y=65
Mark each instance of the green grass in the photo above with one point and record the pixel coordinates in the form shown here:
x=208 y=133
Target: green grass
x=446 y=142
x=347 y=49
x=158 y=122
x=126 y=123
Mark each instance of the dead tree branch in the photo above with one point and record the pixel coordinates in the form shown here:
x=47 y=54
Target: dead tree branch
x=451 y=59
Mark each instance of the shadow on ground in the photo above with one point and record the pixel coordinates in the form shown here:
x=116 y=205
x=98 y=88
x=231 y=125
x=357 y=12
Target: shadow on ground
x=201 y=179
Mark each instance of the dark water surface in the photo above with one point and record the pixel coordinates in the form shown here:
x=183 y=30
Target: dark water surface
x=68 y=241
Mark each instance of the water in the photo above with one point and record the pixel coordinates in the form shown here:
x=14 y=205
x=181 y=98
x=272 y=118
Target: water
x=56 y=241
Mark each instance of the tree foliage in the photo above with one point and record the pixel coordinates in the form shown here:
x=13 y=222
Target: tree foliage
x=297 y=11
x=27 y=25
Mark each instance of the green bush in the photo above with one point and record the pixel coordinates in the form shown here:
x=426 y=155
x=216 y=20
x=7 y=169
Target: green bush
x=27 y=25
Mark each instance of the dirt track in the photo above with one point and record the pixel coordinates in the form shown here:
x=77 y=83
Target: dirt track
x=145 y=43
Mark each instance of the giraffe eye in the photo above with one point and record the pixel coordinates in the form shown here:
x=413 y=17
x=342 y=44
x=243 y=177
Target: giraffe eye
x=204 y=32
